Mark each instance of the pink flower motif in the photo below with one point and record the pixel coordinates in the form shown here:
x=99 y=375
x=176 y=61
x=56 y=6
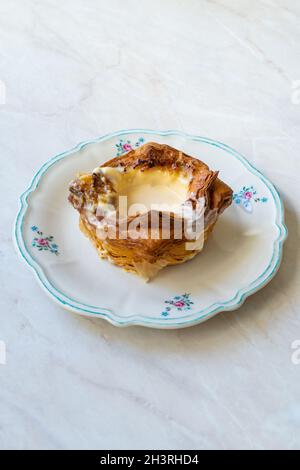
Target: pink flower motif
x=248 y=195
x=127 y=147
x=42 y=241
x=179 y=303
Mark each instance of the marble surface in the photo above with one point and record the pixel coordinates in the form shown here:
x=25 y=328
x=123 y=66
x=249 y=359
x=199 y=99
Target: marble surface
x=73 y=70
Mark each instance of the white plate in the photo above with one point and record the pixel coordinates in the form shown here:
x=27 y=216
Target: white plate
x=241 y=256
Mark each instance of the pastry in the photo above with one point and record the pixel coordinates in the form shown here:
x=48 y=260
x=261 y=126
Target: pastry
x=143 y=210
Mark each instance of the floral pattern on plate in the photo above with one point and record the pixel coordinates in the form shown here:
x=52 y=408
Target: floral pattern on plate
x=124 y=146
x=179 y=303
x=246 y=197
x=43 y=243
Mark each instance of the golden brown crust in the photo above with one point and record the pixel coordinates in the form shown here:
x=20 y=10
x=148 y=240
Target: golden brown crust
x=136 y=257
x=146 y=256
x=156 y=155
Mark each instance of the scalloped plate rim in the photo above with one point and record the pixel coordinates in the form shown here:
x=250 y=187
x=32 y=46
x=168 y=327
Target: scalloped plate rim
x=198 y=317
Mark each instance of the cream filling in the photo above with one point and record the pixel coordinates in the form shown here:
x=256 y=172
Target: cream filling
x=150 y=189
x=154 y=189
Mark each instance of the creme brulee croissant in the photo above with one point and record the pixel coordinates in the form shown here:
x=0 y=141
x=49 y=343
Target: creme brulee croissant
x=152 y=207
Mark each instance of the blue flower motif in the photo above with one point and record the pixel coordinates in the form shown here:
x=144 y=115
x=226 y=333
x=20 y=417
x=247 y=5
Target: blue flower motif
x=246 y=197
x=42 y=242
x=124 y=146
x=179 y=303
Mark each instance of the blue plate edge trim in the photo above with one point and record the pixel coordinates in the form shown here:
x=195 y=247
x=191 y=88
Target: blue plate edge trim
x=232 y=304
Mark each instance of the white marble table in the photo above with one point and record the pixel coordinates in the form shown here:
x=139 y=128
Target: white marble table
x=72 y=70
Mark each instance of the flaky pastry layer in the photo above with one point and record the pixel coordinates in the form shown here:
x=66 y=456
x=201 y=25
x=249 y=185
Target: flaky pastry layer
x=147 y=256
